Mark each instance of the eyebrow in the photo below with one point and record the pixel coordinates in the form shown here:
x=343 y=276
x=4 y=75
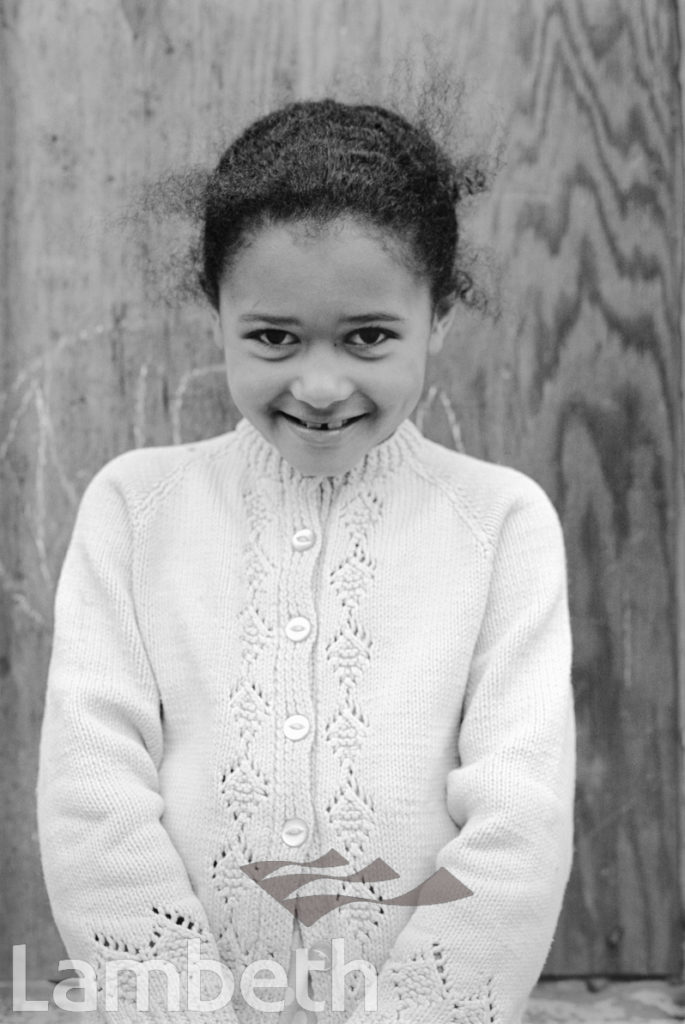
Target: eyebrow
x=269 y=318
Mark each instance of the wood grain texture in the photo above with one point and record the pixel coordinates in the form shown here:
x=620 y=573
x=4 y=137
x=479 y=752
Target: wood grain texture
x=577 y=383
x=596 y=366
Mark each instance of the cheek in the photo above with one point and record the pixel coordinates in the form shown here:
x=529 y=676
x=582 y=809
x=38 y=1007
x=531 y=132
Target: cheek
x=240 y=381
x=404 y=377
x=251 y=381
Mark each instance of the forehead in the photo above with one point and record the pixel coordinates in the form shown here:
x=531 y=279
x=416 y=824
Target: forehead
x=338 y=262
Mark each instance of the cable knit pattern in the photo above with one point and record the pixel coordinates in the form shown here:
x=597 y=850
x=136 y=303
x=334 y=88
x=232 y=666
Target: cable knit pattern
x=420 y=631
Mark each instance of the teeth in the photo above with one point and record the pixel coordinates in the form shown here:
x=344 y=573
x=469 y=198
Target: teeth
x=330 y=425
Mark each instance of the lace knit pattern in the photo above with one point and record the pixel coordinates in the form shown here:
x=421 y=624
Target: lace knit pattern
x=118 y=982
x=244 y=781
x=351 y=810
x=418 y=990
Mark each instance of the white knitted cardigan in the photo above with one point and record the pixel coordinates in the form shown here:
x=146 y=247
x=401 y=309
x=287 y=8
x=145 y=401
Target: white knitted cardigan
x=412 y=613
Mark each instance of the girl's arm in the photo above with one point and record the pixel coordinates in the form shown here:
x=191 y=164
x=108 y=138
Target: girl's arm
x=117 y=885
x=511 y=795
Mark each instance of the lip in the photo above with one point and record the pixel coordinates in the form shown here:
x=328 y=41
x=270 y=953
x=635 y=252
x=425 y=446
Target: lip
x=320 y=436
x=318 y=420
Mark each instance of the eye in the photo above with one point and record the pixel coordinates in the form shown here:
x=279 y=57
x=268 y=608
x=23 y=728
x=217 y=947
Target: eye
x=274 y=338
x=370 y=337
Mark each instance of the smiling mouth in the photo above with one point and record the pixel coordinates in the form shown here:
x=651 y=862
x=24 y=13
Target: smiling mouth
x=329 y=425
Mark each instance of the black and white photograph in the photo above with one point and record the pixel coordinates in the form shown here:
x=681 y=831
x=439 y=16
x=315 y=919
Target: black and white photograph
x=342 y=504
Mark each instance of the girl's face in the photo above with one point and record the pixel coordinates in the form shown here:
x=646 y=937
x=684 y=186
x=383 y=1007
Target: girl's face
x=326 y=335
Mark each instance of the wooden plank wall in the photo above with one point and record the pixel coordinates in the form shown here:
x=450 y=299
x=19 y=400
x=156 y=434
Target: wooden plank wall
x=577 y=383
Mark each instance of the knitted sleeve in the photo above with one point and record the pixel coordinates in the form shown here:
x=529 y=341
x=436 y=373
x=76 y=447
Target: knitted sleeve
x=475 y=961
x=117 y=886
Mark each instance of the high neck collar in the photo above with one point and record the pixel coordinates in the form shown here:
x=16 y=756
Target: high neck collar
x=383 y=458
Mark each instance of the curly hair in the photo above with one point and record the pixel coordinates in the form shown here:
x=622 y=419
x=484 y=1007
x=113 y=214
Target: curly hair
x=321 y=159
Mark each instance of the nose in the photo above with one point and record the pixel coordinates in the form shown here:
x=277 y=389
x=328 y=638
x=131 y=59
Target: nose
x=321 y=380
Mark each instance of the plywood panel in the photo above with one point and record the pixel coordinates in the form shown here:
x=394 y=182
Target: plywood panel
x=580 y=388
x=592 y=406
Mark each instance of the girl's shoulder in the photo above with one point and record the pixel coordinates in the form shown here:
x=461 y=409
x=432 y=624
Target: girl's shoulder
x=140 y=475
x=485 y=493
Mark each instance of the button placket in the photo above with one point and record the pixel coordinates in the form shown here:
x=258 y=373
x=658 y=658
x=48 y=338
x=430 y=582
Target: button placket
x=303 y=511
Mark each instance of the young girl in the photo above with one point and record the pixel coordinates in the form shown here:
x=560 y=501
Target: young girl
x=320 y=645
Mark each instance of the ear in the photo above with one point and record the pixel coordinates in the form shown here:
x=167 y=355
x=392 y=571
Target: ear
x=442 y=321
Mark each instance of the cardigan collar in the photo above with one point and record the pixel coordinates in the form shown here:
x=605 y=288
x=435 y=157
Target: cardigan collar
x=384 y=458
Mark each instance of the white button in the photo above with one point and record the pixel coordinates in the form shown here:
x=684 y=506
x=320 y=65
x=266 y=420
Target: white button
x=296 y=727
x=294 y=832
x=298 y=628
x=302 y=540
